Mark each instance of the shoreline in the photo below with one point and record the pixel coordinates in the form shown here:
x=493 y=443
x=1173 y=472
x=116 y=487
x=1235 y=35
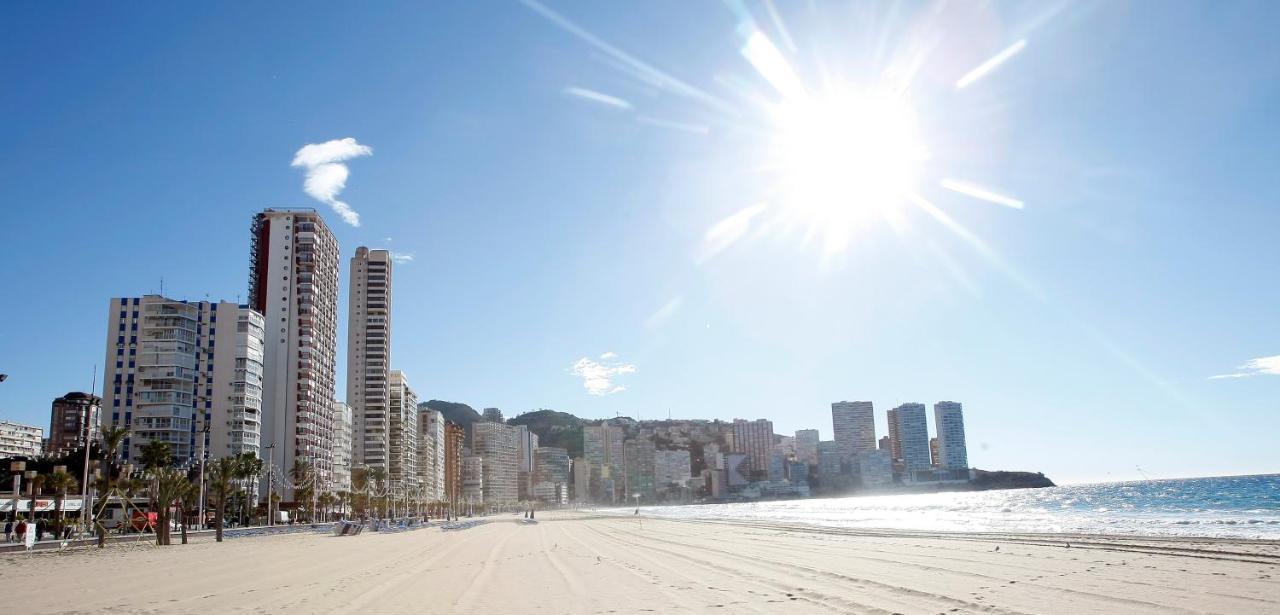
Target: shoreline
x=576 y=562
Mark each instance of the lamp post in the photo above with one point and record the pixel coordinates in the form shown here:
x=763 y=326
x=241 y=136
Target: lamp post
x=204 y=434
x=270 y=475
x=16 y=468
x=85 y=506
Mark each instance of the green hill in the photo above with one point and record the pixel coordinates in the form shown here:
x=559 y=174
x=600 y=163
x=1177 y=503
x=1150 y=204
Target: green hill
x=555 y=429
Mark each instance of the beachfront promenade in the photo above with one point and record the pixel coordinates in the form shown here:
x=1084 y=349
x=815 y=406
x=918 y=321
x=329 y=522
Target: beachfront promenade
x=577 y=563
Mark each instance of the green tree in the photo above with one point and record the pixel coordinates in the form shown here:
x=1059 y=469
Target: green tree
x=247 y=469
x=156 y=454
x=303 y=486
x=60 y=482
x=222 y=477
x=168 y=487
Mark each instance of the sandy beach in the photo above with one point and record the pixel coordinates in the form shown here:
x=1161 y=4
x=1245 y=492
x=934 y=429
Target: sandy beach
x=576 y=563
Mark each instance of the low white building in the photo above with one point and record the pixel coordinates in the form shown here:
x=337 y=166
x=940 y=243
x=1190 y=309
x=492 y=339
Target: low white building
x=18 y=440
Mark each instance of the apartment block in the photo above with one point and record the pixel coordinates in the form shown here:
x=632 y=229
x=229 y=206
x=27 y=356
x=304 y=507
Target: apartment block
x=369 y=356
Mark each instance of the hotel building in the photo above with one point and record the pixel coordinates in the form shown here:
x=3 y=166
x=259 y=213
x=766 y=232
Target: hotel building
x=293 y=283
x=369 y=356
x=497 y=444
x=910 y=435
x=948 y=422
x=854 y=426
x=755 y=440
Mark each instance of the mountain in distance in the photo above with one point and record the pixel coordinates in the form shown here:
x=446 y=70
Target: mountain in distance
x=457 y=413
x=554 y=429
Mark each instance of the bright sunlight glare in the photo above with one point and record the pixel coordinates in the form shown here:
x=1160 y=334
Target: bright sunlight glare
x=844 y=156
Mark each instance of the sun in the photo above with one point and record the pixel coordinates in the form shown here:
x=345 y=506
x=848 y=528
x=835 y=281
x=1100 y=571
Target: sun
x=844 y=156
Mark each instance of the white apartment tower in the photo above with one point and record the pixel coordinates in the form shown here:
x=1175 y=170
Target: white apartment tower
x=402 y=432
x=369 y=356
x=948 y=423
x=431 y=452
x=293 y=283
x=174 y=367
x=854 y=426
x=498 y=445
x=343 y=445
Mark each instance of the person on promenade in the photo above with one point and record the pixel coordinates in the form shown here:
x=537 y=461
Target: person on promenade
x=8 y=531
x=20 y=530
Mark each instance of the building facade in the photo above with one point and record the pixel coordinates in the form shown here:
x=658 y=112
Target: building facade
x=551 y=475
x=18 y=440
x=911 y=428
x=875 y=468
x=672 y=470
x=755 y=440
x=807 y=446
x=369 y=356
x=472 y=478
x=948 y=422
x=187 y=373
x=454 y=438
x=639 y=471
x=343 y=446
x=497 y=444
x=431 y=453
x=293 y=283
x=528 y=442
x=73 y=415
x=402 y=431
x=854 y=426
x=602 y=449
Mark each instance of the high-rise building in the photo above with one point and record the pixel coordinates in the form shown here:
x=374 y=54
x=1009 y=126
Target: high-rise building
x=755 y=439
x=948 y=422
x=497 y=444
x=551 y=475
x=807 y=446
x=640 y=477
x=672 y=470
x=854 y=426
x=18 y=440
x=875 y=468
x=431 y=452
x=293 y=283
x=402 y=432
x=369 y=356
x=910 y=434
x=935 y=456
x=528 y=442
x=777 y=467
x=472 y=478
x=830 y=465
x=602 y=448
x=581 y=479
x=73 y=415
x=343 y=446
x=492 y=415
x=886 y=444
x=454 y=437
x=174 y=367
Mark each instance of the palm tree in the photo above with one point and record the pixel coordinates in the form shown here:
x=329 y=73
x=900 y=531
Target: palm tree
x=169 y=485
x=156 y=454
x=247 y=468
x=60 y=482
x=112 y=438
x=303 y=486
x=324 y=500
x=378 y=483
x=222 y=476
x=360 y=491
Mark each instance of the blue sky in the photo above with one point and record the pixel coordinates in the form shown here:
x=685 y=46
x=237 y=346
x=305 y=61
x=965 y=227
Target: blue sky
x=577 y=179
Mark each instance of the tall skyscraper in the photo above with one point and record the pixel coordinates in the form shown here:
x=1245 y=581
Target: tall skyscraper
x=551 y=475
x=602 y=449
x=807 y=446
x=912 y=436
x=854 y=426
x=343 y=446
x=72 y=416
x=293 y=283
x=402 y=431
x=755 y=439
x=431 y=452
x=454 y=436
x=639 y=470
x=948 y=422
x=528 y=442
x=174 y=367
x=497 y=444
x=369 y=356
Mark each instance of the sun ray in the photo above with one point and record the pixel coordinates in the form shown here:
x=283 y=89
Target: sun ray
x=986 y=67
x=981 y=192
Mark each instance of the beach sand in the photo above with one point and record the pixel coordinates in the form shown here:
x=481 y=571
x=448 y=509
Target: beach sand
x=576 y=563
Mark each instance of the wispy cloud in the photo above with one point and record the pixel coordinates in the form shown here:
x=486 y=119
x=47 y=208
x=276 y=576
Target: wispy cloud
x=327 y=176
x=598 y=97
x=1254 y=367
x=402 y=257
x=598 y=377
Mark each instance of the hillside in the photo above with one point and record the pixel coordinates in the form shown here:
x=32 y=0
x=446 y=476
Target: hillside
x=555 y=429
x=458 y=413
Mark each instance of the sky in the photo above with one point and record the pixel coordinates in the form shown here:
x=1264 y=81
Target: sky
x=617 y=209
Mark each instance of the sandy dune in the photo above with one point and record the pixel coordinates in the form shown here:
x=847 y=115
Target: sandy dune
x=580 y=564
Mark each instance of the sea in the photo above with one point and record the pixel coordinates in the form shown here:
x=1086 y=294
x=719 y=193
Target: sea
x=1225 y=507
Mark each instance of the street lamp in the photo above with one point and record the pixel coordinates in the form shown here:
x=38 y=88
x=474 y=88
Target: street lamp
x=270 y=475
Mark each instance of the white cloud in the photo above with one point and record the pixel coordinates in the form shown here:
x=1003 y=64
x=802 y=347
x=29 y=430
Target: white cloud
x=402 y=257
x=327 y=176
x=1255 y=367
x=597 y=378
